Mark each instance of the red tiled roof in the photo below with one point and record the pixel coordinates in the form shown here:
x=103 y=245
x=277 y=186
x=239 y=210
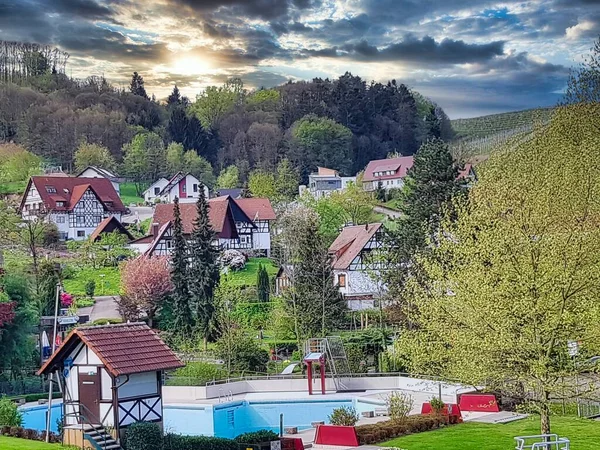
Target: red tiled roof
x=398 y=165
x=350 y=242
x=256 y=208
x=124 y=349
x=71 y=189
x=109 y=225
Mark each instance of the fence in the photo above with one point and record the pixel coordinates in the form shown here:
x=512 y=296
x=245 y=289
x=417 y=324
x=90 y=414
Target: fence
x=23 y=386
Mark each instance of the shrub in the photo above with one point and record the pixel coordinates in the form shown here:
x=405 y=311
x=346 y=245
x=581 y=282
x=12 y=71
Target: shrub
x=143 y=436
x=344 y=415
x=357 y=359
x=399 y=405
x=437 y=405
x=383 y=431
x=196 y=374
x=9 y=414
x=233 y=260
x=257 y=437
x=178 y=442
x=244 y=352
x=90 y=288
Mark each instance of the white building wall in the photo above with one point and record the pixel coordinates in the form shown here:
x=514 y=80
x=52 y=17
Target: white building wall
x=140 y=248
x=91 y=173
x=145 y=383
x=149 y=195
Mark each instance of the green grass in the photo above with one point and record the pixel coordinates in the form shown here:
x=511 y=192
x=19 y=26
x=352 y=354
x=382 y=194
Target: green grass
x=129 y=194
x=13 y=187
x=9 y=443
x=583 y=433
x=247 y=276
x=112 y=281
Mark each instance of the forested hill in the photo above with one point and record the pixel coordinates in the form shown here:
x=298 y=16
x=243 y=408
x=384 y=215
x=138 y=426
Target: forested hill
x=486 y=126
x=340 y=123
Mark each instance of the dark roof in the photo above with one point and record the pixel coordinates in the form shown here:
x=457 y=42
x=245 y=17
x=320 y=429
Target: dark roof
x=109 y=225
x=69 y=190
x=124 y=349
x=398 y=165
x=233 y=193
x=174 y=181
x=350 y=242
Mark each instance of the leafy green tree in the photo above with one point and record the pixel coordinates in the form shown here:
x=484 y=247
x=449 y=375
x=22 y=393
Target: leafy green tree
x=93 y=155
x=215 y=102
x=513 y=278
x=203 y=275
x=287 y=181
x=242 y=352
x=229 y=178
x=262 y=184
x=183 y=321
x=428 y=188
x=137 y=86
x=356 y=204
x=584 y=81
x=145 y=159
x=46 y=290
x=263 y=287
x=17 y=164
x=319 y=141
x=264 y=99
x=189 y=161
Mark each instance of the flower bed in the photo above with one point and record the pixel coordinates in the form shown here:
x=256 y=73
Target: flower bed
x=383 y=431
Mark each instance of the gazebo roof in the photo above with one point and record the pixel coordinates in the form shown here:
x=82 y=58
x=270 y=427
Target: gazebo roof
x=124 y=349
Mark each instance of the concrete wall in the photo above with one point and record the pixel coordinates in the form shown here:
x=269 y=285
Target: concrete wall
x=181 y=394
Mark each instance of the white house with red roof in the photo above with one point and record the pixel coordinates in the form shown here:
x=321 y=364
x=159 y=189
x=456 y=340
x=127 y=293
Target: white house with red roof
x=389 y=173
x=98 y=172
x=357 y=264
x=184 y=186
x=241 y=224
x=75 y=205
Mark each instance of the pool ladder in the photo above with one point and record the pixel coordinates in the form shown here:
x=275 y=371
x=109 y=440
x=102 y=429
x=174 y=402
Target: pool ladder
x=223 y=397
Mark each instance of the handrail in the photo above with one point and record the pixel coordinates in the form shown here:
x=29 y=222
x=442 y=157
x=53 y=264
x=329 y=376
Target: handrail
x=78 y=415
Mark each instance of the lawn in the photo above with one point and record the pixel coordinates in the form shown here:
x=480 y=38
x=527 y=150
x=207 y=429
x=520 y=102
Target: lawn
x=13 y=187
x=129 y=194
x=247 y=276
x=110 y=284
x=9 y=443
x=583 y=433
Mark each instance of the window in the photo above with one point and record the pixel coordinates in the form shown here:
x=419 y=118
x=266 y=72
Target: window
x=80 y=233
x=184 y=188
x=60 y=219
x=195 y=188
x=342 y=280
x=50 y=189
x=60 y=204
x=156 y=191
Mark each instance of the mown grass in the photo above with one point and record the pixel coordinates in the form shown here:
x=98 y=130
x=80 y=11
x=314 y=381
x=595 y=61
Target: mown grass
x=110 y=284
x=129 y=194
x=10 y=443
x=247 y=276
x=583 y=433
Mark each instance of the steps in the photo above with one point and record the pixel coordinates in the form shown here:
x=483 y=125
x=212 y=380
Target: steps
x=100 y=438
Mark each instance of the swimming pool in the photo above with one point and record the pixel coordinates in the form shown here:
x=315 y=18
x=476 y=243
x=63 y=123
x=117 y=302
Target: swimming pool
x=231 y=419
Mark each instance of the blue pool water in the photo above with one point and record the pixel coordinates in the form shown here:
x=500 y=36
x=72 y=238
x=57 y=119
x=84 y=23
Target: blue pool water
x=229 y=419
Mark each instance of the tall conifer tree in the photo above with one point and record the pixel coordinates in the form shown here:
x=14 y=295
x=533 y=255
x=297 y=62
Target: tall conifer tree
x=182 y=314
x=204 y=270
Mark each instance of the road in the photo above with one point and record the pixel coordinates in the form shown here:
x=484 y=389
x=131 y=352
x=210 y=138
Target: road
x=391 y=213
x=104 y=308
x=140 y=213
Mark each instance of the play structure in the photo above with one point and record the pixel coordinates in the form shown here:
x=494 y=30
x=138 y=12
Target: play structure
x=542 y=442
x=329 y=353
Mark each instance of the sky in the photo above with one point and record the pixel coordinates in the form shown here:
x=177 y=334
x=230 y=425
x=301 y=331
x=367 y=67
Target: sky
x=472 y=57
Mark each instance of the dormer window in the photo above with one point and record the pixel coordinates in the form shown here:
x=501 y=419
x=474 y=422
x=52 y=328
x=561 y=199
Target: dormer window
x=50 y=189
x=60 y=204
x=108 y=203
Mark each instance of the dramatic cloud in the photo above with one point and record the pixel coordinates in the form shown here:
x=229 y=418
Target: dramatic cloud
x=471 y=56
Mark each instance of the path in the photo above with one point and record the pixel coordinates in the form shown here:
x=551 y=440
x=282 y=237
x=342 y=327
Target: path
x=104 y=308
x=140 y=213
x=391 y=213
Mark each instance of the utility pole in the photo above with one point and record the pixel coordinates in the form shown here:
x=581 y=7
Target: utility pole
x=51 y=378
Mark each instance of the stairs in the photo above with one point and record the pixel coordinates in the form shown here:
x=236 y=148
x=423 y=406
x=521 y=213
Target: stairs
x=335 y=356
x=100 y=438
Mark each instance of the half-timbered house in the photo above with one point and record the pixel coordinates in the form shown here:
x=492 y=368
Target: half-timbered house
x=111 y=377
x=184 y=186
x=75 y=205
x=357 y=264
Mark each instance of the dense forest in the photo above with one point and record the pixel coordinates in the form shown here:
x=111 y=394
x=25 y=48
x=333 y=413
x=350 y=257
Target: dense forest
x=340 y=123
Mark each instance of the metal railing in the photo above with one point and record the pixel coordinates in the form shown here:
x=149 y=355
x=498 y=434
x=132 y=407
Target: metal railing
x=542 y=442
x=83 y=421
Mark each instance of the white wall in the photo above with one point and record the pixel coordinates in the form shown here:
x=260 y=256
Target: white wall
x=91 y=173
x=139 y=384
x=149 y=195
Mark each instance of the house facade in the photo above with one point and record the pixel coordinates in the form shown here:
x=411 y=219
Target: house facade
x=357 y=265
x=75 y=205
x=229 y=218
x=184 y=186
x=97 y=172
x=325 y=181
x=111 y=378
x=387 y=173
x=152 y=193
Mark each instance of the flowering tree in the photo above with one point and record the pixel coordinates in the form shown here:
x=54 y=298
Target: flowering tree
x=145 y=282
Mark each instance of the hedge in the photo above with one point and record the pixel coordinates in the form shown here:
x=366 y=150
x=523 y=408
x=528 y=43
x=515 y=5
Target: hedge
x=390 y=429
x=28 y=433
x=257 y=437
x=179 y=442
x=143 y=436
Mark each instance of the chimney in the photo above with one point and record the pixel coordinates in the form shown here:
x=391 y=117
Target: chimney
x=366 y=227
x=155 y=229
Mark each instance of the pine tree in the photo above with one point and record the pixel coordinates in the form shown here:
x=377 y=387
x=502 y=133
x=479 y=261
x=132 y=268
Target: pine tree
x=174 y=97
x=137 y=86
x=204 y=270
x=428 y=188
x=182 y=315
x=262 y=284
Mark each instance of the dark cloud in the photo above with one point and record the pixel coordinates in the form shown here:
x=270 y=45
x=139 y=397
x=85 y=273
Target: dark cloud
x=87 y=9
x=412 y=49
x=263 y=9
